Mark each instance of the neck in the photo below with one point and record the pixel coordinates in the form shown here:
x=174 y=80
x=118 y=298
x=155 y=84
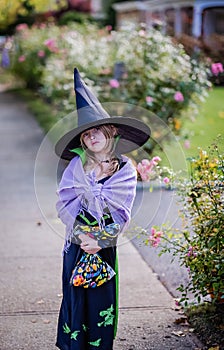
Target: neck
x=102 y=157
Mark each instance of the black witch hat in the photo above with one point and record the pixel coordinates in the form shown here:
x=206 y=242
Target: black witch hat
x=133 y=132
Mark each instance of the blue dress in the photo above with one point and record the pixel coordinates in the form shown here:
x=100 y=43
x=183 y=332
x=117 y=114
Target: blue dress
x=88 y=316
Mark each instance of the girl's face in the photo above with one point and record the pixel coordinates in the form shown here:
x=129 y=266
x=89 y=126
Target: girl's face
x=94 y=140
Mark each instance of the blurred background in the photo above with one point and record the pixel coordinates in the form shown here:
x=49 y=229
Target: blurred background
x=161 y=61
x=164 y=56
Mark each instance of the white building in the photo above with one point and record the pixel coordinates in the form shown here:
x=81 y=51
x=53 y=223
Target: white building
x=197 y=18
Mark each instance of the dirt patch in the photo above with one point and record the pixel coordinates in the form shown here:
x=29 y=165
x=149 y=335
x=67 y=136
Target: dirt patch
x=208 y=323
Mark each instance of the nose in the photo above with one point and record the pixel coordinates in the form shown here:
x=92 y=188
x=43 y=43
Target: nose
x=92 y=135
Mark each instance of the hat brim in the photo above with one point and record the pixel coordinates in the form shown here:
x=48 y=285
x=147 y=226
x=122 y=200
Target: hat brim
x=133 y=134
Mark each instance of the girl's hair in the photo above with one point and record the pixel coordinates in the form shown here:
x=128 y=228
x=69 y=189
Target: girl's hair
x=109 y=131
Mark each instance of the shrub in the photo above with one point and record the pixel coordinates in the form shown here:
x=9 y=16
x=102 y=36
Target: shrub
x=199 y=244
x=32 y=48
x=159 y=76
x=72 y=16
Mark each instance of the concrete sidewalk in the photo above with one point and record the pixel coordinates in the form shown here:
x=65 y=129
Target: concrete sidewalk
x=30 y=255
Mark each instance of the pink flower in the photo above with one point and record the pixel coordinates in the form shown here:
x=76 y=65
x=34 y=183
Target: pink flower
x=146 y=163
x=166 y=180
x=22 y=26
x=145 y=167
x=51 y=45
x=109 y=28
x=21 y=58
x=217 y=68
x=191 y=252
x=143 y=172
x=156 y=159
x=41 y=53
x=155 y=237
x=178 y=96
x=145 y=177
x=153 y=231
x=114 y=83
x=149 y=100
x=187 y=144
x=141 y=32
x=177 y=303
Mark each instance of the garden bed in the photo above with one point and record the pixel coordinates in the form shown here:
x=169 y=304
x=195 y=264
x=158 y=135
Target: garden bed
x=208 y=324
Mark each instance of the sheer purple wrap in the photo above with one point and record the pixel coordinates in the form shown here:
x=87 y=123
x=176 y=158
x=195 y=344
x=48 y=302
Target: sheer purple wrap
x=77 y=190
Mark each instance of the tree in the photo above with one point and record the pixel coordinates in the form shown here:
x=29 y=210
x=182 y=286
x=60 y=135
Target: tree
x=14 y=11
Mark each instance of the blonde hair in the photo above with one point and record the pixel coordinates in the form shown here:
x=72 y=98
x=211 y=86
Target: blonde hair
x=109 y=131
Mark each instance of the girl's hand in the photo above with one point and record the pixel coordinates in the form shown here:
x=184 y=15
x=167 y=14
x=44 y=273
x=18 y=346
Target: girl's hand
x=89 y=245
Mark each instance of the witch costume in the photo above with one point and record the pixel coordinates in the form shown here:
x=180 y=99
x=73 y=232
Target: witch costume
x=101 y=209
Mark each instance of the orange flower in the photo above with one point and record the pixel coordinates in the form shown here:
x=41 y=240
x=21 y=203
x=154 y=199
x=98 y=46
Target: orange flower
x=78 y=280
x=177 y=124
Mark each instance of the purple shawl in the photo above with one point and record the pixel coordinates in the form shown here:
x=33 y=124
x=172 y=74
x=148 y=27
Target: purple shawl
x=77 y=190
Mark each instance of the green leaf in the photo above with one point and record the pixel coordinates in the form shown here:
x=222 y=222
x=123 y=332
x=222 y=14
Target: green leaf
x=96 y=342
x=109 y=317
x=84 y=327
x=66 y=329
x=74 y=335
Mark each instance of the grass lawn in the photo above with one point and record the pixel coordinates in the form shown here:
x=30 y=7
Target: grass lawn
x=201 y=132
x=208 y=124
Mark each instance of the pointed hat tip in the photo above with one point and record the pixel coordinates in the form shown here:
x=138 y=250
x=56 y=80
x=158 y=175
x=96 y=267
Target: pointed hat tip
x=76 y=76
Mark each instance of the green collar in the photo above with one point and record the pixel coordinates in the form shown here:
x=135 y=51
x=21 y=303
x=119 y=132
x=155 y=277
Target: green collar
x=81 y=153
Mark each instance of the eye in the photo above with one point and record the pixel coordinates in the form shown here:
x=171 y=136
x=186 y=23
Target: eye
x=86 y=134
x=96 y=129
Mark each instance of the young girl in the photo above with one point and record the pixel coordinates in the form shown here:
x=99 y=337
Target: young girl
x=96 y=194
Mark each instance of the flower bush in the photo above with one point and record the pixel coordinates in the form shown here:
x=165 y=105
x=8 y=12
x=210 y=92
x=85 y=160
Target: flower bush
x=158 y=75
x=139 y=67
x=32 y=48
x=82 y=48
x=199 y=244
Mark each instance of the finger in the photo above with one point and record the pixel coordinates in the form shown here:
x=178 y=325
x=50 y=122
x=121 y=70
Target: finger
x=84 y=246
x=92 y=251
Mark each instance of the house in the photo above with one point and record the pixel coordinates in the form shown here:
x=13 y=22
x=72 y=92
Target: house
x=202 y=19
